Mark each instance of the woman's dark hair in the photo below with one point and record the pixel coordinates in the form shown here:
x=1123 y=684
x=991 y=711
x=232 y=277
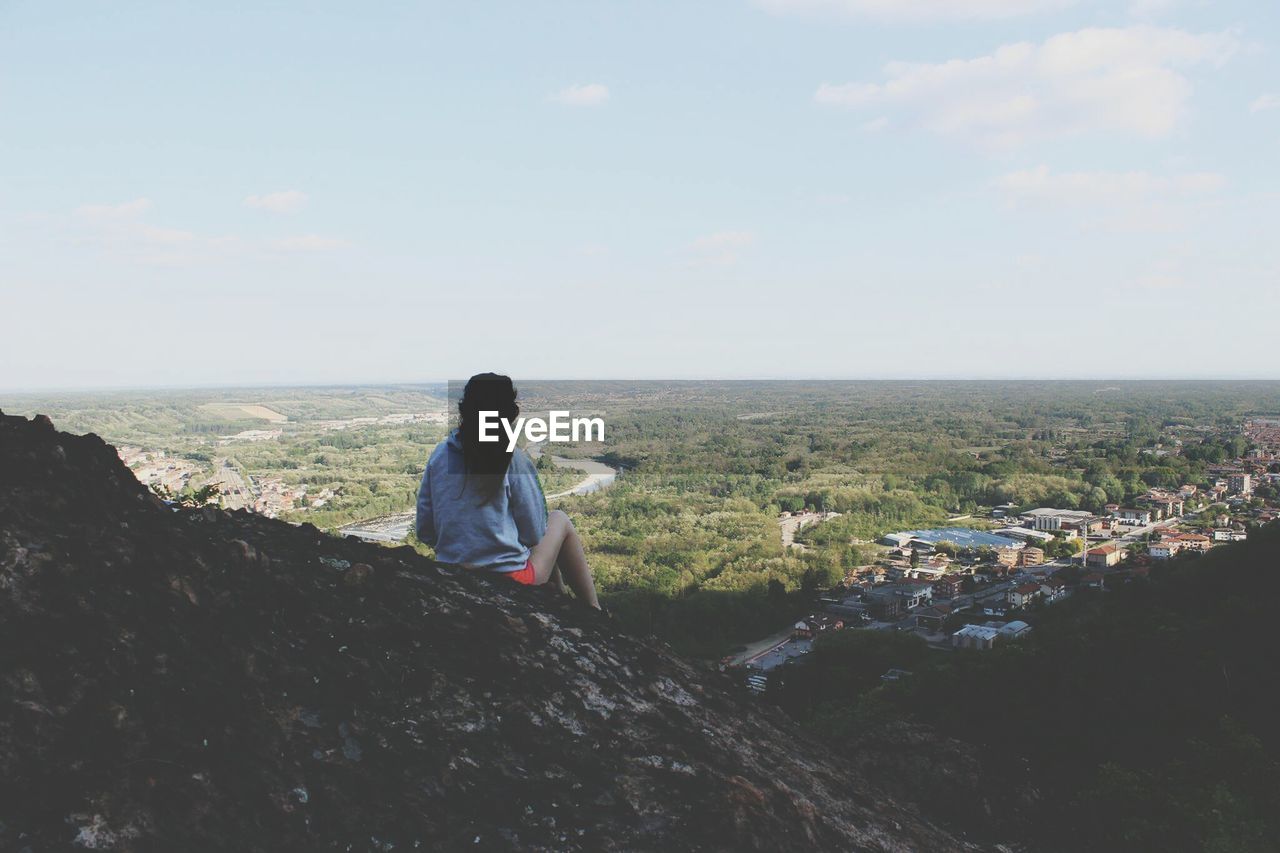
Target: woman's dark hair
x=485 y=462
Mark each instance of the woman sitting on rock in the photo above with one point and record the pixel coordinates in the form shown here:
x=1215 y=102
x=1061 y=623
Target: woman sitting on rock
x=480 y=505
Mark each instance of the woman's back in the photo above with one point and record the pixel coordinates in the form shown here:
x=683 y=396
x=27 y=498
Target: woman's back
x=472 y=526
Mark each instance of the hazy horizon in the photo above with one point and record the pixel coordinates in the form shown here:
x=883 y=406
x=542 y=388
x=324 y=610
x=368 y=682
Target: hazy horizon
x=123 y=389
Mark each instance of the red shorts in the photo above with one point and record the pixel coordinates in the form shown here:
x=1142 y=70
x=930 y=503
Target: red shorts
x=525 y=576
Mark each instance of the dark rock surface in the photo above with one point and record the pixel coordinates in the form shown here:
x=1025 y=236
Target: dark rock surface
x=203 y=680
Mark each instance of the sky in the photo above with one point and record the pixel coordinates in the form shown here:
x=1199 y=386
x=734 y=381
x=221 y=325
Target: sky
x=198 y=194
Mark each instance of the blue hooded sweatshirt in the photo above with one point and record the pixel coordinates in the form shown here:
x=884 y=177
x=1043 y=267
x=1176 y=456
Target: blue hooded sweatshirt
x=495 y=535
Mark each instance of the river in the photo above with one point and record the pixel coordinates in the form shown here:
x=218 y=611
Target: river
x=393 y=528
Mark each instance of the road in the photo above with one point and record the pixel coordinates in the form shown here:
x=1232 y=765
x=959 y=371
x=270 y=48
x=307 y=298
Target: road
x=761 y=647
x=1135 y=534
x=236 y=493
x=791 y=525
x=391 y=528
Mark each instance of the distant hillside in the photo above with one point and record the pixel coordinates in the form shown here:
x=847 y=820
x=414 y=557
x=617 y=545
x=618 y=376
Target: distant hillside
x=211 y=681
x=172 y=419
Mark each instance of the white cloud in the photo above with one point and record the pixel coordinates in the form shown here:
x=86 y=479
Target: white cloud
x=584 y=95
x=914 y=10
x=1159 y=280
x=107 y=212
x=120 y=231
x=1150 y=8
x=284 y=201
x=1126 y=201
x=165 y=236
x=725 y=240
x=1262 y=103
x=1119 y=80
x=722 y=247
x=1105 y=187
x=309 y=243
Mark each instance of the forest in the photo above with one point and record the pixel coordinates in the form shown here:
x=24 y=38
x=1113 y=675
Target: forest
x=686 y=543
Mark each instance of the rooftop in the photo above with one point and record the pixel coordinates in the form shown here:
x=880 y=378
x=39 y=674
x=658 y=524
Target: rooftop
x=1064 y=513
x=962 y=537
x=979 y=632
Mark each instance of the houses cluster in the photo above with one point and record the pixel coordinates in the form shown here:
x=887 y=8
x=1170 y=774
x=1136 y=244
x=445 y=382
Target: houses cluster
x=1155 y=505
x=815 y=624
x=1264 y=434
x=930 y=607
x=1171 y=543
x=157 y=468
x=250 y=436
x=962 y=588
x=276 y=497
x=384 y=420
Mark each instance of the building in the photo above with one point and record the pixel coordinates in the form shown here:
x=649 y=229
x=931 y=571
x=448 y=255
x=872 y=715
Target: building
x=1055 y=519
x=1021 y=596
x=948 y=586
x=1171 y=544
x=1103 y=557
x=913 y=594
x=1052 y=590
x=934 y=567
x=964 y=538
x=1007 y=557
x=1194 y=541
x=933 y=618
x=1133 y=515
x=884 y=606
x=1086 y=528
x=1240 y=484
x=1025 y=534
x=815 y=624
x=975 y=637
x=851 y=609
x=1015 y=629
x=1031 y=556
x=1162 y=504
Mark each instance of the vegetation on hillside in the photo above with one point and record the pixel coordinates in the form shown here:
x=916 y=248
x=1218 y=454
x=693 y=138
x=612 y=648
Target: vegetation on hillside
x=687 y=543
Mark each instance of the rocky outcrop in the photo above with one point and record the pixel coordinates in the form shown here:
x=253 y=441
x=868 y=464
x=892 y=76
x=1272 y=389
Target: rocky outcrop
x=182 y=680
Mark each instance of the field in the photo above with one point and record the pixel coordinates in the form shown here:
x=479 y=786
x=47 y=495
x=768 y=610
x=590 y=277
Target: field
x=235 y=411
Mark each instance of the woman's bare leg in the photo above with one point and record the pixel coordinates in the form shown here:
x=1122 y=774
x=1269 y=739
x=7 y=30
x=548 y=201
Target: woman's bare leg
x=557 y=580
x=560 y=552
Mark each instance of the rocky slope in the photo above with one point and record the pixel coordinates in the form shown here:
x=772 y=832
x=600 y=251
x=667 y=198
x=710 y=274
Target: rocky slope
x=204 y=680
